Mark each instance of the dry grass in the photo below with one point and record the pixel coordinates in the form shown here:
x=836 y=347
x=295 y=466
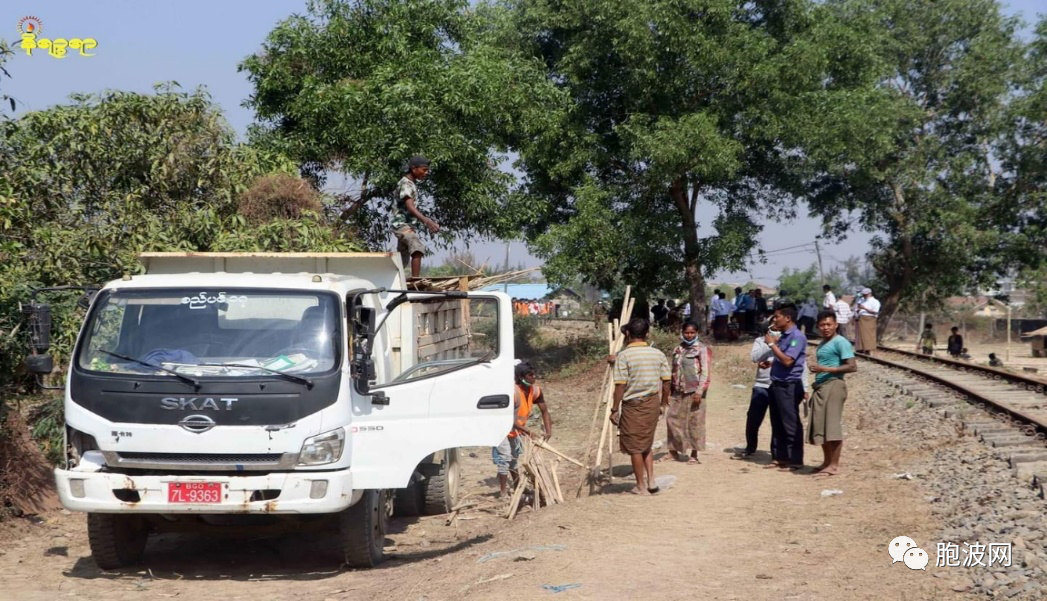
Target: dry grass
x=279 y=196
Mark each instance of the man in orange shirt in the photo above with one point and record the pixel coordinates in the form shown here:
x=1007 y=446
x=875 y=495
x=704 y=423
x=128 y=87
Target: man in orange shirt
x=526 y=396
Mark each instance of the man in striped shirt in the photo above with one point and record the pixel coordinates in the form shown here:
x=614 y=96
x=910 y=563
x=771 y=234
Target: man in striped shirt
x=641 y=392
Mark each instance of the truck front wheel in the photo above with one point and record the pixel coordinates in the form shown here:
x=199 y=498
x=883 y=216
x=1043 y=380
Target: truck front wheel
x=362 y=529
x=116 y=540
x=441 y=488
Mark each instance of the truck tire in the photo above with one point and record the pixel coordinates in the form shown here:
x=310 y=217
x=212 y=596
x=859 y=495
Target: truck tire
x=116 y=540
x=441 y=488
x=410 y=501
x=362 y=529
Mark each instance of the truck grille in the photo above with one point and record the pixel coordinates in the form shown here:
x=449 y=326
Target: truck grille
x=201 y=457
x=202 y=461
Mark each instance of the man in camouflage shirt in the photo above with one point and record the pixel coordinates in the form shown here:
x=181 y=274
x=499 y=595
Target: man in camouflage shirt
x=407 y=219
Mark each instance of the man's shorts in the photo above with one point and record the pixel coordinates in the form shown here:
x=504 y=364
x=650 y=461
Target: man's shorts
x=506 y=454
x=408 y=243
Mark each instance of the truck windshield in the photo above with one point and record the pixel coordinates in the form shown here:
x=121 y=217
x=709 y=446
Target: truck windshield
x=165 y=330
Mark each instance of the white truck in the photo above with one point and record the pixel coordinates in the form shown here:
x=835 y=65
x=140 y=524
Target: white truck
x=232 y=389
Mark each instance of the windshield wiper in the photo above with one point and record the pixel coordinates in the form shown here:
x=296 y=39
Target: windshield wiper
x=296 y=378
x=174 y=373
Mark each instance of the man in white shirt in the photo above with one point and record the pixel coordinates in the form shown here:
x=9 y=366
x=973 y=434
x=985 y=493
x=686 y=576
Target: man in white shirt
x=843 y=317
x=829 y=302
x=721 y=315
x=868 y=311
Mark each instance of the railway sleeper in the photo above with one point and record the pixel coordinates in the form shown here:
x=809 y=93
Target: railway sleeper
x=1007 y=441
x=1031 y=454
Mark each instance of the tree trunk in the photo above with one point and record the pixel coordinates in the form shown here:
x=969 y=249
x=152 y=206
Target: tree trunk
x=900 y=274
x=692 y=257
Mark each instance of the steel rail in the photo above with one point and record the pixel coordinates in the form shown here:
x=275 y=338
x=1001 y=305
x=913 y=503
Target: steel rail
x=1038 y=385
x=1015 y=414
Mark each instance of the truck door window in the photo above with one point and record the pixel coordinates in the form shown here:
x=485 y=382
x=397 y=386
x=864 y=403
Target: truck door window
x=441 y=335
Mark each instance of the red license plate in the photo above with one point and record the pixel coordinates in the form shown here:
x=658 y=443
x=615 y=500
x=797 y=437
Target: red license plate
x=194 y=492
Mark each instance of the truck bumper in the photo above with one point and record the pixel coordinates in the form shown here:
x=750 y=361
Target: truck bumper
x=295 y=493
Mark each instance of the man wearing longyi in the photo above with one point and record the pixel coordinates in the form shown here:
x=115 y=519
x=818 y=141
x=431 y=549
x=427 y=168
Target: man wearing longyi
x=641 y=391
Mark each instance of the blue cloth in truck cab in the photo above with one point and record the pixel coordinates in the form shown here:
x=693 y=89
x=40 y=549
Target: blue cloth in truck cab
x=159 y=356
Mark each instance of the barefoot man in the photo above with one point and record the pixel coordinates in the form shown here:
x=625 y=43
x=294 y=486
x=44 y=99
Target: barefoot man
x=641 y=392
x=835 y=357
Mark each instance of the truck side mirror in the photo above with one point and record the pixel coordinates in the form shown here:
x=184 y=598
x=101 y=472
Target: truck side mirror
x=362 y=366
x=38 y=318
x=39 y=365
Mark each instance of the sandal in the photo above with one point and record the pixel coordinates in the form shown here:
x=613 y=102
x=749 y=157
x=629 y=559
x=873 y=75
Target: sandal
x=654 y=490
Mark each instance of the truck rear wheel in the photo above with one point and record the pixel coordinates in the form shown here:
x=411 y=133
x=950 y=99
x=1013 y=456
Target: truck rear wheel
x=362 y=529
x=116 y=540
x=410 y=501
x=441 y=488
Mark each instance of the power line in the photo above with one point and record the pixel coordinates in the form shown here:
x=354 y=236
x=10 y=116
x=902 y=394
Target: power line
x=788 y=248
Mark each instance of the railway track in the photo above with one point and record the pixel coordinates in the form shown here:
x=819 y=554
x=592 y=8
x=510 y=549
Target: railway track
x=1006 y=411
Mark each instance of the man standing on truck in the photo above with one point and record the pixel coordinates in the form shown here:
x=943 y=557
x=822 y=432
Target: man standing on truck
x=526 y=395
x=408 y=219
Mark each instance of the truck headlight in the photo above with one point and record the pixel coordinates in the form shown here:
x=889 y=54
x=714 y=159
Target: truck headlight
x=322 y=448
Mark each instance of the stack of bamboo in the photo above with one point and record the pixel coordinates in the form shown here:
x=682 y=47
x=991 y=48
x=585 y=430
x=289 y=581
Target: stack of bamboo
x=475 y=281
x=539 y=465
x=615 y=341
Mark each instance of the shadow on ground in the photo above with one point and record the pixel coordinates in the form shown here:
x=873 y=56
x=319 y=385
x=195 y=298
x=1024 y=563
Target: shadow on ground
x=299 y=556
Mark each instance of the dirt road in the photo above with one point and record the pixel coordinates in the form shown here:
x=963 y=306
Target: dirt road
x=728 y=529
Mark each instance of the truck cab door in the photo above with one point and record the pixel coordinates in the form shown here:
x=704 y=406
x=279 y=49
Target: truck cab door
x=448 y=384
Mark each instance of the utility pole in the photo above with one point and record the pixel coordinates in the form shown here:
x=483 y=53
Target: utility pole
x=505 y=288
x=818 y=251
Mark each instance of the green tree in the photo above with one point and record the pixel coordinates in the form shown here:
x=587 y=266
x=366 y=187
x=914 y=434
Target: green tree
x=685 y=113
x=89 y=185
x=931 y=197
x=357 y=87
x=802 y=284
x=5 y=54
x=1021 y=210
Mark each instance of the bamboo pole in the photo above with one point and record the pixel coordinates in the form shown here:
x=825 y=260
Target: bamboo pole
x=548 y=447
x=609 y=395
x=514 y=502
x=628 y=306
x=556 y=479
x=591 y=438
x=547 y=482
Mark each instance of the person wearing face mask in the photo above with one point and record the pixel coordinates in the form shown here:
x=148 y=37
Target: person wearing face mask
x=685 y=419
x=527 y=395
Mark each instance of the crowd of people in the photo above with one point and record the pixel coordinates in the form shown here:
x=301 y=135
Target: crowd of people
x=650 y=384
x=532 y=307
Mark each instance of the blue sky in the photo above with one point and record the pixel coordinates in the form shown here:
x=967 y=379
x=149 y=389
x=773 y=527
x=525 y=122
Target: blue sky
x=200 y=43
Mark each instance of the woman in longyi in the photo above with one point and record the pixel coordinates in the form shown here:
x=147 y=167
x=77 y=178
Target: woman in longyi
x=685 y=420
